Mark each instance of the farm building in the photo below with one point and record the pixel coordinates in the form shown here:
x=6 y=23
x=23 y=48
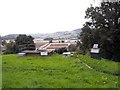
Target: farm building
x=95 y=52
x=36 y=52
x=20 y=54
x=31 y=53
x=65 y=54
x=42 y=44
x=54 y=46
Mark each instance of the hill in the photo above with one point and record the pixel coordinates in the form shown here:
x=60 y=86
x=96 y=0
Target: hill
x=9 y=37
x=56 y=35
x=59 y=35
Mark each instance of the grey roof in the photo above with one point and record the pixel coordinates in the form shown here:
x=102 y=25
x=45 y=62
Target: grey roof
x=95 y=46
x=94 y=50
x=30 y=51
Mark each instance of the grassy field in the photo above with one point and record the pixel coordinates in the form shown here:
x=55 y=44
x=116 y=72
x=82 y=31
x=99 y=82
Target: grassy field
x=58 y=72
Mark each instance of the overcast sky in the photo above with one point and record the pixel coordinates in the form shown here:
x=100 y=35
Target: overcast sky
x=41 y=16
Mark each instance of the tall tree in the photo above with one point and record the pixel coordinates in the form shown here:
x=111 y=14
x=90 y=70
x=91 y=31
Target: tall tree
x=104 y=29
x=10 y=48
x=24 y=42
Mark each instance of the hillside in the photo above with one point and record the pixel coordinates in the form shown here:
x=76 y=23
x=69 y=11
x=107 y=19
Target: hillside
x=56 y=35
x=10 y=36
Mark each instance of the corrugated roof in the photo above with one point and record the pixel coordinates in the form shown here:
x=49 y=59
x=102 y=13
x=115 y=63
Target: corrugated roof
x=30 y=51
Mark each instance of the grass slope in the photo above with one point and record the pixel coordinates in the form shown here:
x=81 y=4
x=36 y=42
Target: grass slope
x=58 y=72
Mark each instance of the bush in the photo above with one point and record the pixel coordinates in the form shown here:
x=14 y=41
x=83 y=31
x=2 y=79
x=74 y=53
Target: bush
x=72 y=47
x=61 y=50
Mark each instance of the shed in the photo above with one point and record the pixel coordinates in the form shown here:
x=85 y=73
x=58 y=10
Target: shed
x=35 y=52
x=31 y=53
x=95 y=52
x=44 y=53
x=65 y=54
x=20 y=54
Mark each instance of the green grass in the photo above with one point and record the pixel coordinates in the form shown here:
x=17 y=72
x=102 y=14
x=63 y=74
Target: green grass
x=58 y=72
x=103 y=65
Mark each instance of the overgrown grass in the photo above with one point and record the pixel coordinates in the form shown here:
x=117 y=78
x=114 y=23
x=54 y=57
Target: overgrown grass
x=57 y=72
x=103 y=65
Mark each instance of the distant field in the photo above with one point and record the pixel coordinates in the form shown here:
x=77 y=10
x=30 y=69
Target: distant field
x=58 y=72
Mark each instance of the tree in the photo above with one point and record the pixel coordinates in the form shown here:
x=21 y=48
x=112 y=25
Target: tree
x=61 y=50
x=10 y=48
x=49 y=39
x=4 y=43
x=72 y=47
x=62 y=41
x=104 y=29
x=24 y=42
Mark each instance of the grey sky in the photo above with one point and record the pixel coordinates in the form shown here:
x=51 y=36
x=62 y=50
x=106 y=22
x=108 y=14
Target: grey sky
x=41 y=16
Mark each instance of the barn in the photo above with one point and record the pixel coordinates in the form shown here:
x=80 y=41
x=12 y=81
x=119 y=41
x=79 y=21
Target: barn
x=31 y=53
x=35 y=53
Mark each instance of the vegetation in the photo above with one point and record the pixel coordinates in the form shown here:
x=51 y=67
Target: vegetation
x=3 y=42
x=103 y=65
x=24 y=42
x=62 y=41
x=72 y=47
x=49 y=39
x=58 y=72
x=61 y=50
x=10 y=47
x=104 y=29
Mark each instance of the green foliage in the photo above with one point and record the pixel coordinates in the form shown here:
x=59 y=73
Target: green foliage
x=4 y=43
x=24 y=42
x=10 y=48
x=58 y=72
x=103 y=65
x=104 y=29
x=49 y=39
x=61 y=50
x=62 y=41
x=75 y=47
x=72 y=47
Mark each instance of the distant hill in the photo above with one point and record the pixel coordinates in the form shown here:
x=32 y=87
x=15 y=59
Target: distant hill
x=10 y=36
x=57 y=35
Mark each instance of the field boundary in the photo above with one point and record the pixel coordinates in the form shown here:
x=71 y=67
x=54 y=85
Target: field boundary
x=99 y=70
x=86 y=64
